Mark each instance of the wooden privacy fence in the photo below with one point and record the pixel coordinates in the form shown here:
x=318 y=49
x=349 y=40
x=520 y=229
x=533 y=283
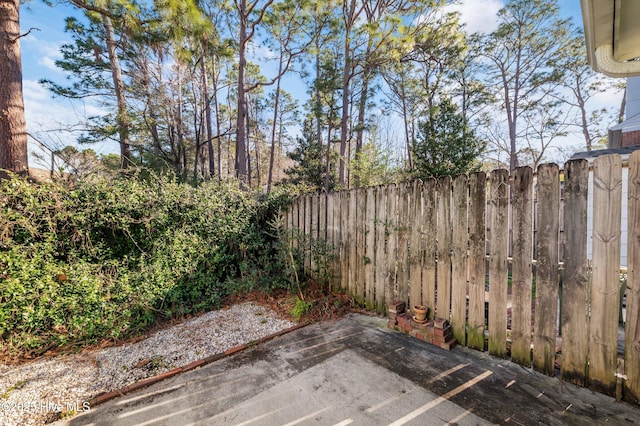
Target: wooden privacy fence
x=445 y=243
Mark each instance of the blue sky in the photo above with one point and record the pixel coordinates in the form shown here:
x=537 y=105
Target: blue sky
x=49 y=119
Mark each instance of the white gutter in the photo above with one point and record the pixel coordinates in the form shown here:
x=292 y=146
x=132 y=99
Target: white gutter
x=601 y=27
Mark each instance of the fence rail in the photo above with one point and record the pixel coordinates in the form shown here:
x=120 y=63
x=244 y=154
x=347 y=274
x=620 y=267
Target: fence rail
x=428 y=243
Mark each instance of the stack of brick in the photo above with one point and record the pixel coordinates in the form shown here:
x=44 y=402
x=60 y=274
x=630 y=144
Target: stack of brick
x=397 y=308
x=437 y=332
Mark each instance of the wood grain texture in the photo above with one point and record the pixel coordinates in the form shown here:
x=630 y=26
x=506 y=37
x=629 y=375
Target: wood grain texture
x=415 y=244
x=403 y=241
x=498 y=248
x=603 y=330
x=344 y=240
x=546 y=317
x=429 y=193
x=352 y=240
x=521 y=275
x=361 y=221
x=390 y=289
x=477 y=264
x=575 y=283
x=381 y=249
x=460 y=239
x=444 y=236
x=370 y=247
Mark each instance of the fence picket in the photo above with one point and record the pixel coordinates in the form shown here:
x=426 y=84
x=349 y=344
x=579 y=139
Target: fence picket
x=546 y=305
x=429 y=255
x=415 y=245
x=390 y=290
x=403 y=241
x=444 y=236
x=498 y=247
x=575 y=282
x=307 y=231
x=361 y=223
x=521 y=282
x=313 y=236
x=459 y=258
x=607 y=197
x=477 y=250
x=380 y=252
x=344 y=240
x=370 y=245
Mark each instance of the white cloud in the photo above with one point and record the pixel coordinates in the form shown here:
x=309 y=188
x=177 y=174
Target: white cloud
x=478 y=15
x=48 y=63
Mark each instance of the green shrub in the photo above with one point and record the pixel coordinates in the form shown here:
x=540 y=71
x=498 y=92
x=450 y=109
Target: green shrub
x=85 y=261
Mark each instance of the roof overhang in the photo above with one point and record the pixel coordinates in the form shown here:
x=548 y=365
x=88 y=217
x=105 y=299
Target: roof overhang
x=612 y=33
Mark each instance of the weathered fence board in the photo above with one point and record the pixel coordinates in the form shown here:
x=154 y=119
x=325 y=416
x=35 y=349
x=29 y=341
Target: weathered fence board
x=575 y=283
x=403 y=239
x=429 y=248
x=344 y=240
x=361 y=224
x=444 y=236
x=381 y=245
x=390 y=290
x=477 y=250
x=522 y=254
x=370 y=246
x=460 y=239
x=546 y=305
x=415 y=243
x=607 y=196
x=632 y=332
x=498 y=280
x=332 y=273
x=315 y=214
x=353 y=240
x=308 y=232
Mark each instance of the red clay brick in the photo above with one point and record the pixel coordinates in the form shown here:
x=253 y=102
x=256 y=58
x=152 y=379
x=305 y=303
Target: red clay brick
x=440 y=323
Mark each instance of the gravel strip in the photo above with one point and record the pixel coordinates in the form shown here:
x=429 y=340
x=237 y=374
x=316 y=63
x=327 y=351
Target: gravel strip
x=37 y=392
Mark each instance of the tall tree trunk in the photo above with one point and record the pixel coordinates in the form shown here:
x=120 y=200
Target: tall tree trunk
x=241 y=153
x=362 y=109
x=248 y=147
x=346 y=82
x=346 y=79
x=276 y=104
x=408 y=137
x=318 y=98
x=214 y=78
x=13 y=128
x=182 y=154
x=118 y=85
x=328 y=163
x=153 y=115
x=207 y=112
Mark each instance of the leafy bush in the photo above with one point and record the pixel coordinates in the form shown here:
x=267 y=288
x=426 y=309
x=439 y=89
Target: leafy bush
x=84 y=261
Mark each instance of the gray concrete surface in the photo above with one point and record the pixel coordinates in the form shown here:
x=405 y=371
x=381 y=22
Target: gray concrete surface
x=356 y=371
